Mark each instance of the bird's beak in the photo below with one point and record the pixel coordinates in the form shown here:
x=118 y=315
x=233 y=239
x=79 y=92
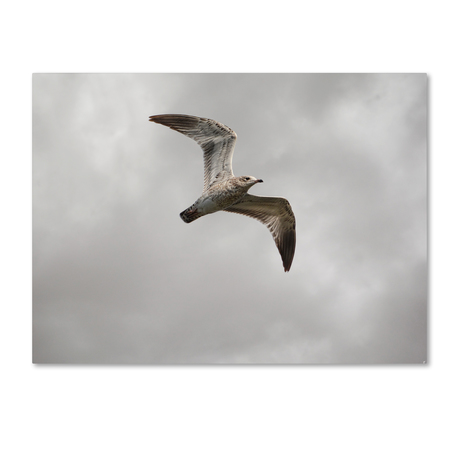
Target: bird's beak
x=259 y=181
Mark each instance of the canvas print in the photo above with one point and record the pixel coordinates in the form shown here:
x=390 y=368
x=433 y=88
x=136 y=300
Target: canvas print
x=183 y=219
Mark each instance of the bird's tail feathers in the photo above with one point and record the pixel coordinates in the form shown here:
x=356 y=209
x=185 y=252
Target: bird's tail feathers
x=190 y=214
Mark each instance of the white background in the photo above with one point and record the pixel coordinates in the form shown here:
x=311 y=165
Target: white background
x=209 y=407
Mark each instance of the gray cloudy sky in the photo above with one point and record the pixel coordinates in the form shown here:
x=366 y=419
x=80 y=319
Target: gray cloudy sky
x=118 y=277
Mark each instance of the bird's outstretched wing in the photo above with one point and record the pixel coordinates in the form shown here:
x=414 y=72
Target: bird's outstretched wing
x=276 y=213
x=216 y=140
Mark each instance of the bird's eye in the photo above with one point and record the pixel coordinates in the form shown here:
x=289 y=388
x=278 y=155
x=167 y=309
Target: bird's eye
x=247 y=178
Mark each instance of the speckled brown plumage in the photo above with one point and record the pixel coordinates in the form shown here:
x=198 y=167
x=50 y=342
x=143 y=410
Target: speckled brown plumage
x=222 y=191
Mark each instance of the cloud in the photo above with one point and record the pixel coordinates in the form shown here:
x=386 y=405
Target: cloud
x=119 y=278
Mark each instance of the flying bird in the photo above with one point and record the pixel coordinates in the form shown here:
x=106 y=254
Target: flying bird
x=222 y=191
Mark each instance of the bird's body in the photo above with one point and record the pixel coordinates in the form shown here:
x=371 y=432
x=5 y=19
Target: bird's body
x=222 y=191
x=219 y=196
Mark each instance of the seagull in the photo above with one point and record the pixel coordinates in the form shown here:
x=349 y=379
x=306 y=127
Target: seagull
x=222 y=191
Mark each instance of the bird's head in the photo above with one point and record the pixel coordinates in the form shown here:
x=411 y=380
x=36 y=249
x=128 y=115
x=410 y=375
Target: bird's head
x=249 y=181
